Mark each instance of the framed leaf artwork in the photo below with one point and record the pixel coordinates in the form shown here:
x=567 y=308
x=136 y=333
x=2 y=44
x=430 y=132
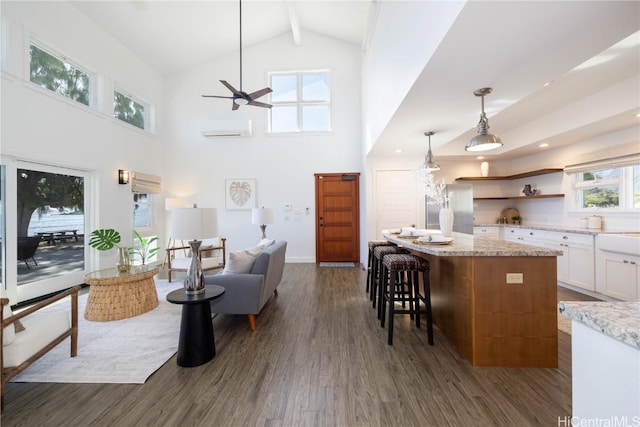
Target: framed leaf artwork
x=240 y=193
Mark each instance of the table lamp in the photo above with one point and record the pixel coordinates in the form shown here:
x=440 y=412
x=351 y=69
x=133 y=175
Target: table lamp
x=262 y=216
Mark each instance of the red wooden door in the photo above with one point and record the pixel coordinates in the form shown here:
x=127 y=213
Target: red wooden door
x=337 y=217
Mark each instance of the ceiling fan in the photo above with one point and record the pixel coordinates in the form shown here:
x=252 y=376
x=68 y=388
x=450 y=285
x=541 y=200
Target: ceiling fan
x=241 y=97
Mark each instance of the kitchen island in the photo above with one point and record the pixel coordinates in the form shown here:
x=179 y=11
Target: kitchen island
x=605 y=359
x=492 y=322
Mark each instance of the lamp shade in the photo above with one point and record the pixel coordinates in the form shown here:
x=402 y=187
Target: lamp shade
x=193 y=223
x=262 y=216
x=171 y=203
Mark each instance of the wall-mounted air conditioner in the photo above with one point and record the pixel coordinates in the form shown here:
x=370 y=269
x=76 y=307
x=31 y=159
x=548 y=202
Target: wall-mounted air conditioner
x=228 y=128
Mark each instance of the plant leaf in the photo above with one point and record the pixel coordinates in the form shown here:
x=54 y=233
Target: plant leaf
x=104 y=239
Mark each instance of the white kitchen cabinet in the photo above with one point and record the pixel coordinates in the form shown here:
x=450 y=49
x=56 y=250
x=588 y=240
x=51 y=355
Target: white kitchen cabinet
x=617 y=269
x=576 y=265
x=490 y=232
x=511 y=234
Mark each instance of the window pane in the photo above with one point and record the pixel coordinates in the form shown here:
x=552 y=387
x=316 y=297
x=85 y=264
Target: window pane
x=315 y=118
x=600 y=197
x=284 y=119
x=603 y=174
x=128 y=110
x=284 y=88
x=57 y=75
x=50 y=210
x=141 y=210
x=315 y=87
x=636 y=187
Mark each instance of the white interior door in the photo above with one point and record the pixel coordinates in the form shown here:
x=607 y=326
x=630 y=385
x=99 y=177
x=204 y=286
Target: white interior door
x=395 y=200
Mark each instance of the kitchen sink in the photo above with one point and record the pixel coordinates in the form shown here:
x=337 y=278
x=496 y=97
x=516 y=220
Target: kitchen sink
x=626 y=243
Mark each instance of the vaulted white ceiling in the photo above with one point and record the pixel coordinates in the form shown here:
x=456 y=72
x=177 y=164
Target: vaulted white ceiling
x=587 y=51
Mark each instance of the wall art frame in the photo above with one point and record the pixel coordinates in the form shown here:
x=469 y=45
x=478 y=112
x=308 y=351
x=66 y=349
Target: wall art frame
x=240 y=193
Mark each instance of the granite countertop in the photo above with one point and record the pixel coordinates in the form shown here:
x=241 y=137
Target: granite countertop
x=619 y=320
x=559 y=228
x=469 y=245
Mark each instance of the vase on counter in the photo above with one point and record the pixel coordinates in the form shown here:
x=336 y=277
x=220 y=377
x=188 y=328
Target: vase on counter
x=446 y=221
x=484 y=169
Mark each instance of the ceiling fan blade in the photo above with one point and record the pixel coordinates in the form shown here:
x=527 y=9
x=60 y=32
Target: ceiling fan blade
x=231 y=88
x=218 y=96
x=257 y=94
x=260 y=104
x=235 y=106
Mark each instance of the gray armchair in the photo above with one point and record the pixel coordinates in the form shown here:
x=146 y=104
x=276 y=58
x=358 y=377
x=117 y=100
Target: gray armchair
x=247 y=293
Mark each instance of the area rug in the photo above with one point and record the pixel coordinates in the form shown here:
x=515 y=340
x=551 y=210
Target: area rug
x=121 y=351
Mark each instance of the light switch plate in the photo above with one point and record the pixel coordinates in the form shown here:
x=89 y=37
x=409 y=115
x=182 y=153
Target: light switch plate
x=515 y=278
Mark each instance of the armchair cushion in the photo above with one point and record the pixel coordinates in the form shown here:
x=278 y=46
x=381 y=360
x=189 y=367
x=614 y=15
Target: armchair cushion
x=8 y=332
x=40 y=330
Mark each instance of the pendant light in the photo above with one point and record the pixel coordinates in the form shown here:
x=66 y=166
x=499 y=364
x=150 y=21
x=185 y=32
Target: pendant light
x=429 y=165
x=483 y=141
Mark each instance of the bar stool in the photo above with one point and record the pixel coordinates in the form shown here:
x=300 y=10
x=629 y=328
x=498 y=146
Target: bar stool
x=396 y=265
x=378 y=253
x=372 y=245
x=376 y=277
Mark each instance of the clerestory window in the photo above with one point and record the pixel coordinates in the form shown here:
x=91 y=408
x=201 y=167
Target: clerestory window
x=130 y=110
x=301 y=102
x=56 y=73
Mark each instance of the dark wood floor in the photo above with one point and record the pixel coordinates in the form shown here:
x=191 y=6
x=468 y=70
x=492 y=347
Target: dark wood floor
x=318 y=357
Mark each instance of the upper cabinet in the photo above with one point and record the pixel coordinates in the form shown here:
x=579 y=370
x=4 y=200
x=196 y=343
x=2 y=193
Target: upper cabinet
x=514 y=177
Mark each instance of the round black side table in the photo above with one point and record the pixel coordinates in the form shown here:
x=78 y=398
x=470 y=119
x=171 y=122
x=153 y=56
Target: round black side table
x=196 y=345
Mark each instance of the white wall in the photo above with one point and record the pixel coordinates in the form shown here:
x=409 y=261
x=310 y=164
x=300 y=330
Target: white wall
x=284 y=165
x=39 y=126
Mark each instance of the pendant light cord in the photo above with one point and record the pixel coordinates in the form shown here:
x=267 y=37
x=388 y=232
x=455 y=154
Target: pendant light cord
x=240 y=45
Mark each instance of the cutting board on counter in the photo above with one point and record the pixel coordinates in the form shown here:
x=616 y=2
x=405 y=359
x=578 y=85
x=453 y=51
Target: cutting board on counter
x=509 y=213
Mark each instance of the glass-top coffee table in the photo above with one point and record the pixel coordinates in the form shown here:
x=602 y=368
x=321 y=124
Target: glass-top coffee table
x=114 y=295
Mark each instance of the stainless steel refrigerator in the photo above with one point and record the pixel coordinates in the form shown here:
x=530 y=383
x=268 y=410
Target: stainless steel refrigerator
x=461 y=201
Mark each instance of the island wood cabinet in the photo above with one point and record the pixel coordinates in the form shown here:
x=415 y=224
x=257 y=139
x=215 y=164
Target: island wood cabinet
x=576 y=266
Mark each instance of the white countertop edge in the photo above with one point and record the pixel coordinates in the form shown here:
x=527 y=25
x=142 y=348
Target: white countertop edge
x=619 y=320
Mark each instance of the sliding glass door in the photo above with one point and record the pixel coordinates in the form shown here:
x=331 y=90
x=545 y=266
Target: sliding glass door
x=45 y=239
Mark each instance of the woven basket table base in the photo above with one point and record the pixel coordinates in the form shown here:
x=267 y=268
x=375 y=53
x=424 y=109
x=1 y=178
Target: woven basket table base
x=122 y=296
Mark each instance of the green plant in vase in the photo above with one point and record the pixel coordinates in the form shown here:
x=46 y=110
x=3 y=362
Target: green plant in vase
x=143 y=248
x=516 y=219
x=105 y=239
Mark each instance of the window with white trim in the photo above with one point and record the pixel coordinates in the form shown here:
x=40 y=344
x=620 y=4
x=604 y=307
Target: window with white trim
x=611 y=189
x=130 y=110
x=301 y=102
x=58 y=74
x=142 y=210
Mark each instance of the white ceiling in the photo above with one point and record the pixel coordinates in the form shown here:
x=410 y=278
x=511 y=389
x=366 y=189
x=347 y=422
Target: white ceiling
x=514 y=47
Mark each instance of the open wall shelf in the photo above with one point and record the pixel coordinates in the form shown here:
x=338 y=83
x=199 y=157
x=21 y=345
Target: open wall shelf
x=542 y=196
x=511 y=177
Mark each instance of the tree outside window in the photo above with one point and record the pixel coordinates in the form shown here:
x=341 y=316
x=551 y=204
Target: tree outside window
x=128 y=110
x=58 y=75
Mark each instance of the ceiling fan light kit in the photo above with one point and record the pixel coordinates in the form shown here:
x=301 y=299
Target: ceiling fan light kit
x=241 y=97
x=483 y=141
x=429 y=165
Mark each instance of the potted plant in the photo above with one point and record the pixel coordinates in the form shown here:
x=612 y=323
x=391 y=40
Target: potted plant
x=143 y=248
x=105 y=239
x=516 y=219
